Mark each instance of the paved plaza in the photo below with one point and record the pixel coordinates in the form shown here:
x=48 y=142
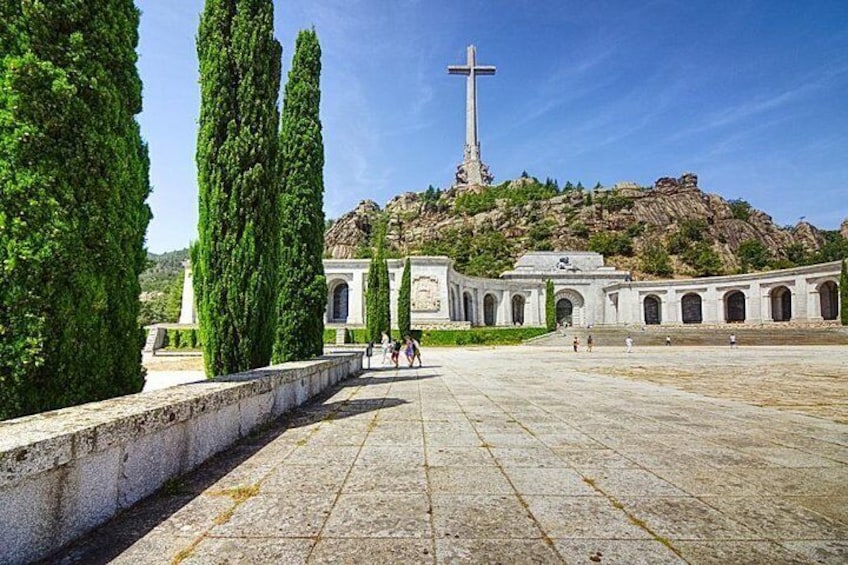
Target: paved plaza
x=527 y=455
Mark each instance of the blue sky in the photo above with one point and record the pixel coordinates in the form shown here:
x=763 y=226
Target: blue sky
x=750 y=95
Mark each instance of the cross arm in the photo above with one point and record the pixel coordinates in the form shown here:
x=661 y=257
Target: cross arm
x=459 y=70
x=484 y=70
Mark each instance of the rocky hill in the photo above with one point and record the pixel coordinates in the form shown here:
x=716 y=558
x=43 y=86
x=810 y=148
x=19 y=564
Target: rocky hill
x=669 y=229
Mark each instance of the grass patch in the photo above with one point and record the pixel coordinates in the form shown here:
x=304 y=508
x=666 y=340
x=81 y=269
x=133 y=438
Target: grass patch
x=225 y=516
x=184 y=554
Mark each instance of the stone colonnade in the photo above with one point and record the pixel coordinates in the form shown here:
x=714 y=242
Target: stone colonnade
x=803 y=294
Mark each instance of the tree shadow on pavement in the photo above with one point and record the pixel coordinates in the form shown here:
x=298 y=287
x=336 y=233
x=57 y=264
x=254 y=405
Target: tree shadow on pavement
x=130 y=528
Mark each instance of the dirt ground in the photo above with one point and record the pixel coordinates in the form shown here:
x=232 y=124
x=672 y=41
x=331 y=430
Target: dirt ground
x=812 y=380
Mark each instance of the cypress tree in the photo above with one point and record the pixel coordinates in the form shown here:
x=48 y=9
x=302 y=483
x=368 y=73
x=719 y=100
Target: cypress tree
x=843 y=293
x=404 y=306
x=550 y=306
x=302 y=286
x=73 y=185
x=372 y=293
x=234 y=260
x=385 y=313
x=377 y=301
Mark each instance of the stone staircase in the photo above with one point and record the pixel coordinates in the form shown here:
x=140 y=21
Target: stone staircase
x=341 y=334
x=772 y=334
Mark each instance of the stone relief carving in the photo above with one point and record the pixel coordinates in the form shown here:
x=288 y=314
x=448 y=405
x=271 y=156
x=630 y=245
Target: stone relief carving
x=425 y=295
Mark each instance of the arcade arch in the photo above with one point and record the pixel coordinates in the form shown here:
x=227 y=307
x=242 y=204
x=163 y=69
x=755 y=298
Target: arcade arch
x=518 y=304
x=652 y=310
x=829 y=300
x=691 y=309
x=569 y=308
x=490 y=315
x=781 y=304
x=734 y=306
x=339 y=302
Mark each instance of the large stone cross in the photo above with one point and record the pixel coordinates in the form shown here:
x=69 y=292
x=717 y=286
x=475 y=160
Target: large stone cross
x=472 y=170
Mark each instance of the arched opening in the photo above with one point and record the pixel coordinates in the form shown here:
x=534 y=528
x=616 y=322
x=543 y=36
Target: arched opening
x=489 y=313
x=734 y=306
x=452 y=304
x=651 y=306
x=518 y=310
x=781 y=304
x=691 y=309
x=829 y=300
x=564 y=312
x=340 y=305
x=467 y=307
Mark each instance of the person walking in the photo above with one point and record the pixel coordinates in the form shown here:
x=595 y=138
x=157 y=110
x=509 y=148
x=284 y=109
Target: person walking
x=668 y=340
x=628 y=342
x=732 y=341
x=385 y=344
x=575 y=343
x=589 y=343
x=409 y=349
x=395 y=352
x=416 y=352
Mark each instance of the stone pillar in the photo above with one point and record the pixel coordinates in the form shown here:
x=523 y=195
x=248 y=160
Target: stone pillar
x=187 y=312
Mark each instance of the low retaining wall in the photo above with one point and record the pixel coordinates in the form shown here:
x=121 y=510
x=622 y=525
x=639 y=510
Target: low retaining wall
x=63 y=473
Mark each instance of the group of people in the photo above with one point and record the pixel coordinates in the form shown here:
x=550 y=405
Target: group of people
x=590 y=343
x=392 y=348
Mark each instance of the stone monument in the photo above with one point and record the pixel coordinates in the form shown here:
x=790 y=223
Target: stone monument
x=472 y=170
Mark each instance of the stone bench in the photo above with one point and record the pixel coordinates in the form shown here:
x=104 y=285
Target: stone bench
x=63 y=473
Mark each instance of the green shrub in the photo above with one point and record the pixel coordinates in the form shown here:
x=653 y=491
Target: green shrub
x=703 y=259
x=636 y=229
x=611 y=243
x=753 y=255
x=740 y=209
x=613 y=202
x=182 y=339
x=478 y=336
x=579 y=229
x=655 y=260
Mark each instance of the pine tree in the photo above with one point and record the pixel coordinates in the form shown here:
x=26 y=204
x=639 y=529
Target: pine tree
x=302 y=286
x=550 y=306
x=404 y=306
x=843 y=293
x=234 y=261
x=73 y=185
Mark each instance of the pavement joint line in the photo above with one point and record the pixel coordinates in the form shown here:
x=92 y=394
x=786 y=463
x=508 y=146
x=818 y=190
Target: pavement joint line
x=429 y=489
x=639 y=523
x=521 y=500
x=318 y=537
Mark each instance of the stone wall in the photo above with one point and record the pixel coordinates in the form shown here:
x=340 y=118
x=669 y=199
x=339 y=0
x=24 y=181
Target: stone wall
x=63 y=473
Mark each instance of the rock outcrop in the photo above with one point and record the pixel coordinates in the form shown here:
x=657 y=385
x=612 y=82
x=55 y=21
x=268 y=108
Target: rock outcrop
x=568 y=219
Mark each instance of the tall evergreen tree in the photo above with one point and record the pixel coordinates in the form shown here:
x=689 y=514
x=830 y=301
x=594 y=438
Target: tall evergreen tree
x=302 y=286
x=404 y=305
x=372 y=294
x=550 y=306
x=377 y=301
x=73 y=185
x=234 y=260
x=843 y=293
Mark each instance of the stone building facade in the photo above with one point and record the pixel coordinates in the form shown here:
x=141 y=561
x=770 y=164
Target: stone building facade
x=586 y=293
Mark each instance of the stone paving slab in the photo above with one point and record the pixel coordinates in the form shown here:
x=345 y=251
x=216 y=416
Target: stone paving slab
x=514 y=455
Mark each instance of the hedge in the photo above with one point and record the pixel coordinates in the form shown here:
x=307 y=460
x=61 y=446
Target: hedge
x=448 y=338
